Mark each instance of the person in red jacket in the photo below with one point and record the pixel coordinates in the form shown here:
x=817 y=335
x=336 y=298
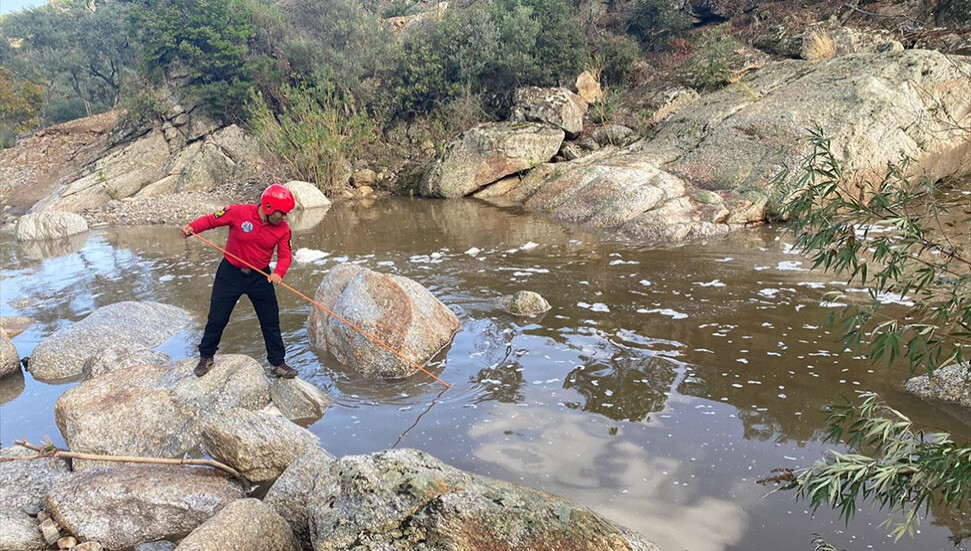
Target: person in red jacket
x=254 y=232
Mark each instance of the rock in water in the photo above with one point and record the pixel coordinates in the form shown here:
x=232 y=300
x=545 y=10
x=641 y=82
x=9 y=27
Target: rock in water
x=396 y=310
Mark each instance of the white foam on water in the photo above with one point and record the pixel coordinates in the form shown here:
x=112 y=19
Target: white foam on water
x=473 y=251
x=304 y=255
x=712 y=283
x=673 y=314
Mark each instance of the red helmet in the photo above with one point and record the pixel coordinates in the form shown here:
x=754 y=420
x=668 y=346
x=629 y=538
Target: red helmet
x=276 y=197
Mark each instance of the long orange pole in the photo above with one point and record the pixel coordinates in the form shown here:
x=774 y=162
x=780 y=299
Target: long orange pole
x=370 y=337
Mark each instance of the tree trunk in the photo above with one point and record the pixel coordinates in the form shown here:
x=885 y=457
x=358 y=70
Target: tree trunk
x=77 y=90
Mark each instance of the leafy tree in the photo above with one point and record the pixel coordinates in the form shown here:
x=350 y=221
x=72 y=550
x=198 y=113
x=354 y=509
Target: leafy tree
x=654 y=22
x=73 y=47
x=894 y=238
x=20 y=102
x=489 y=49
x=209 y=39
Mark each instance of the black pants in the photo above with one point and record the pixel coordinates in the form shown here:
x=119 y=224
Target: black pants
x=230 y=284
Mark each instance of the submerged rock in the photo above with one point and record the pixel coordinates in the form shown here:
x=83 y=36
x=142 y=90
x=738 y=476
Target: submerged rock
x=122 y=325
x=121 y=507
x=394 y=309
x=486 y=153
x=403 y=499
x=525 y=303
x=243 y=525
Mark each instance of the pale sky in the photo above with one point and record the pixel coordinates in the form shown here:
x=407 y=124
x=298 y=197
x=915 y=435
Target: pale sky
x=7 y=6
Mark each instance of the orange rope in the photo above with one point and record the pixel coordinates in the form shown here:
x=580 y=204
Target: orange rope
x=371 y=337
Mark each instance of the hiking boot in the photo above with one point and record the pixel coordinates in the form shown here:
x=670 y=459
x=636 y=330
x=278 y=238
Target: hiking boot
x=203 y=367
x=283 y=370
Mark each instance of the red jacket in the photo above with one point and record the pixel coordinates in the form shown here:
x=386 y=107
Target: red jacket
x=249 y=237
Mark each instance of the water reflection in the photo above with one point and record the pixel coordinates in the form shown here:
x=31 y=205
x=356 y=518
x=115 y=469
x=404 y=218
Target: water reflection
x=11 y=386
x=53 y=248
x=624 y=389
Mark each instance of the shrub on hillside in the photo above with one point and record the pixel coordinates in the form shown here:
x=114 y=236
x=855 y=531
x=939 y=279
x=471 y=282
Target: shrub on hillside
x=654 y=22
x=616 y=56
x=489 y=49
x=313 y=132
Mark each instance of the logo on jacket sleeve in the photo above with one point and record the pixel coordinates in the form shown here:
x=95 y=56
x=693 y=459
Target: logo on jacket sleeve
x=221 y=212
x=247 y=226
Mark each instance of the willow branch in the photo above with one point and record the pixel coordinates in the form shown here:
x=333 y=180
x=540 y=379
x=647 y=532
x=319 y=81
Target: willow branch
x=58 y=453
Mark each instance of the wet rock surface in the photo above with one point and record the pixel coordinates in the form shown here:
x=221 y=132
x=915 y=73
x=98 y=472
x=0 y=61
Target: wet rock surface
x=24 y=484
x=290 y=494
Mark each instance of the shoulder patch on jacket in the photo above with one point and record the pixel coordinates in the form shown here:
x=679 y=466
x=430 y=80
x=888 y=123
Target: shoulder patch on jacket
x=221 y=212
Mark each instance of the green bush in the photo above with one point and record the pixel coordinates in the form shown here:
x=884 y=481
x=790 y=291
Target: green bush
x=711 y=67
x=313 y=132
x=139 y=104
x=489 y=49
x=616 y=56
x=654 y=22
x=210 y=38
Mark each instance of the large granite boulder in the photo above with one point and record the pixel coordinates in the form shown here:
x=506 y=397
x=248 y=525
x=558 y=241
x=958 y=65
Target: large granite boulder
x=258 y=445
x=115 y=358
x=49 y=225
x=18 y=531
x=156 y=410
x=397 y=499
x=486 y=153
x=307 y=195
x=24 y=483
x=394 y=309
x=290 y=494
x=121 y=507
x=716 y=166
x=554 y=106
x=9 y=357
x=129 y=325
x=243 y=525
x=949 y=387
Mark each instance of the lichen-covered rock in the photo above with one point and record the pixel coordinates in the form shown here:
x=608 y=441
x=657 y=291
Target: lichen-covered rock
x=24 y=483
x=18 y=531
x=49 y=225
x=243 y=525
x=394 y=309
x=156 y=410
x=486 y=153
x=526 y=303
x=949 y=386
x=298 y=400
x=128 y=325
x=405 y=499
x=121 y=507
x=258 y=445
x=290 y=494
x=554 y=106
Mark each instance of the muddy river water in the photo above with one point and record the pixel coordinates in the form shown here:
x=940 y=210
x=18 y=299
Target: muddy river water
x=663 y=383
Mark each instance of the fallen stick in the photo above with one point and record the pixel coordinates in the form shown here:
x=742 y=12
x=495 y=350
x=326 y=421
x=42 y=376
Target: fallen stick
x=54 y=452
